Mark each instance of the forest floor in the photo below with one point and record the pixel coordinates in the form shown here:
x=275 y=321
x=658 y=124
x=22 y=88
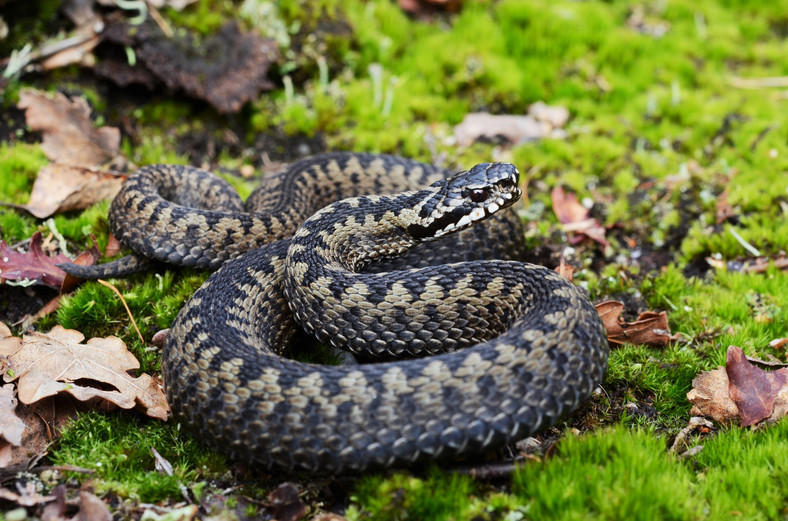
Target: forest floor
x=666 y=121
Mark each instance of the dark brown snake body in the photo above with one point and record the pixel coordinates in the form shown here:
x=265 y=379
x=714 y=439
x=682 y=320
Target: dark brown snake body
x=516 y=345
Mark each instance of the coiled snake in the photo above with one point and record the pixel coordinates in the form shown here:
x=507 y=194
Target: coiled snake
x=534 y=345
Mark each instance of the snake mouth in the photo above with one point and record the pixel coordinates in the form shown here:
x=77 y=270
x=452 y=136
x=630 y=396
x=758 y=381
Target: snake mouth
x=479 y=213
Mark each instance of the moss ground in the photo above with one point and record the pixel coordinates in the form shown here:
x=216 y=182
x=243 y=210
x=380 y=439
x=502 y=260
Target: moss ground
x=680 y=163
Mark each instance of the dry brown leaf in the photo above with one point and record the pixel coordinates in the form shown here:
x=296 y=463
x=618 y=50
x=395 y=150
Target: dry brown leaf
x=36 y=267
x=47 y=364
x=778 y=343
x=512 y=129
x=650 y=328
x=113 y=246
x=740 y=390
x=61 y=188
x=9 y=344
x=709 y=396
x=11 y=425
x=575 y=219
x=752 y=389
x=44 y=420
x=56 y=510
x=81 y=53
x=67 y=131
x=91 y=508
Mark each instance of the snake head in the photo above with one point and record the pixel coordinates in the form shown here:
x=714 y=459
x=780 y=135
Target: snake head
x=466 y=198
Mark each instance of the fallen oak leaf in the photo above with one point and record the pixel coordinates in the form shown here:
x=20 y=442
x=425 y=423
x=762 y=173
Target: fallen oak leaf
x=47 y=364
x=113 y=246
x=650 y=328
x=68 y=135
x=32 y=267
x=574 y=218
x=36 y=267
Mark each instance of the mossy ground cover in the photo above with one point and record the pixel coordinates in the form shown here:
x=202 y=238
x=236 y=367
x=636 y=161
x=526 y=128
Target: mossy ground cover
x=678 y=162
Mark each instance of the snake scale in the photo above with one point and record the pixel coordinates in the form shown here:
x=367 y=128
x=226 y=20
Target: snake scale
x=515 y=346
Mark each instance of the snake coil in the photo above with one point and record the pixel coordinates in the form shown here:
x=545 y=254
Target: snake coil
x=516 y=345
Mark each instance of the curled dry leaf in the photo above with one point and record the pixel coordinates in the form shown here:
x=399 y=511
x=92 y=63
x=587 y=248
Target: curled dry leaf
x=740 y=390
x=46 y=364
x=36 y=267
x=650 y=328
x=67 y=132
x=575 y=219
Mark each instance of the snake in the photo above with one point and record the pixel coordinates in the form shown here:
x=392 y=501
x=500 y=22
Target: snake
x=465 y=356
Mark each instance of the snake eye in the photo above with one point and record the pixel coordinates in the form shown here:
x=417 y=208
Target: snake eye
x=477 y=195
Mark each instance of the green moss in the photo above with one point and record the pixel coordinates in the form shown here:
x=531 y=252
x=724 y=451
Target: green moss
x=402 y=496
x=154 y=301
x=204 y=16
x=762 y=457
x=117 y=448
x=617 y=474
x=657 y=135
x=18 y=169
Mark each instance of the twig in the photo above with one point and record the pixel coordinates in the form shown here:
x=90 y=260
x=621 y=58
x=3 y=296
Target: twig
x=488 y=471
x=123 y=300
x=161 y=22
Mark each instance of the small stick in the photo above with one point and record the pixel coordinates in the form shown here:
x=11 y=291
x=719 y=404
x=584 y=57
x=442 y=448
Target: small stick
x=123 y=300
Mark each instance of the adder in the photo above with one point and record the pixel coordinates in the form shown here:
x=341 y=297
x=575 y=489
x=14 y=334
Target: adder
x=515 y=346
